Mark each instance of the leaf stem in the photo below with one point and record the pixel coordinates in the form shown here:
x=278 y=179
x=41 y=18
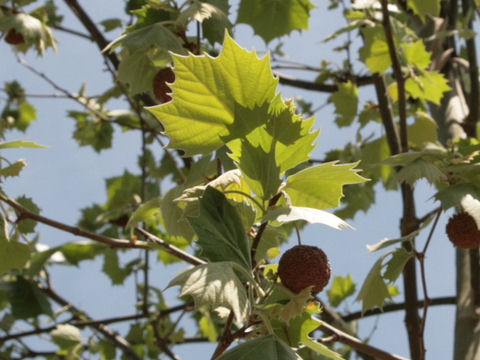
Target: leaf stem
x=260 y=206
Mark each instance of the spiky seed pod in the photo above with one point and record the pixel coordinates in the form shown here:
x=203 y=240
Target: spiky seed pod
x=463 y=232
x=160 y=87
x=303 y=266
x=13 y=37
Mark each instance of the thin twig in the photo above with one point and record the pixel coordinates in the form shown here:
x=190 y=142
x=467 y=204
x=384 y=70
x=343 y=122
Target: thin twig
x=308 y=85
x=109 y=334
x=84 y=101
x=421 y=257
x=111 y=242
x=357 y=344
x=446 y=300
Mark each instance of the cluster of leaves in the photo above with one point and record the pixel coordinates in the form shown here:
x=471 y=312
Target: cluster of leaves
x=246 y=180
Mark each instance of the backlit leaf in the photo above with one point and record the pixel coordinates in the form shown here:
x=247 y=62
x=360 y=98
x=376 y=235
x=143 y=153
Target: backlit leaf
x=417 y=55
x=429 y=86
x=396 y=264
x=320 y=186
x=341 y=288
x=374 y=52
x=422 y=131
x=13 y=169
x=27 y=225
x=214 y=285
x=206 y=93
x=345 y=100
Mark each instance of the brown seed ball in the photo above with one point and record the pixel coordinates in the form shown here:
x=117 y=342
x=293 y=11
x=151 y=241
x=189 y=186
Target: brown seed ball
x=160 y=87
x=303 y=266
x=13 y=37
x=463 y=232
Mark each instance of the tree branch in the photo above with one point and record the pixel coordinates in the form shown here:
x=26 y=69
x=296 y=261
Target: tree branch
x=308 y=85
x=446 y=300
x=111 y=242
x=357 y=344
x=109 y=334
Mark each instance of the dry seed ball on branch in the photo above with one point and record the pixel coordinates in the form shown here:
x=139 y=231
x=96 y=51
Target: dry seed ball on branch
x=303 y=266
x=463 y=232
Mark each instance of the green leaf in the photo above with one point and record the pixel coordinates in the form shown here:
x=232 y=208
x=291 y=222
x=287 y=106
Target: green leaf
x=266 y=152
x=154 y=36
x=264 y=16
x=112 y=268
x=374 y=52
x=20 y=144
x=424 y=7
x=419 y=169
x=13 y=255
x=13 y=169
x=341 y=288
x=26 y=226
x=76 y=252
x=137 y=70
x=66 y=336
x=214 y=28
x=422 y=131
x=345 y=100
x=206 y=93
x=259 y=169
x=310 y=215
x=417 y=55
x=26 y=114
x=320 y=186
x=214 y=285
x=94 y=132
x=396 y=264
x=267 y=347
x=27 y=300
x=144 y=212
x=111 y=24
x=220 y=231
x=374 y=291
x=429 y=86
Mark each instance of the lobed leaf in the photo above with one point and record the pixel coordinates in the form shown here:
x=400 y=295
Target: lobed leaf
x=214 y=285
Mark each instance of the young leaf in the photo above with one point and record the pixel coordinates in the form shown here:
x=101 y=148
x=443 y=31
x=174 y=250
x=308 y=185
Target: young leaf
x=145 y=212
x=429 y=86
x=417 y=55
x=422 y=131
x=13 y=255
x=417 y=170
x=214 y=285
x=13 y=169
x=206 y=92
x=374 y=291
x=27 y=226
x=374 y=53
x=341 y=288
x=310 y=215
x=264 y=16
x=214 y=28
x=220 y=231
x=267 y=347
x=137 y=70
x=320 y=187
x=345 y=100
